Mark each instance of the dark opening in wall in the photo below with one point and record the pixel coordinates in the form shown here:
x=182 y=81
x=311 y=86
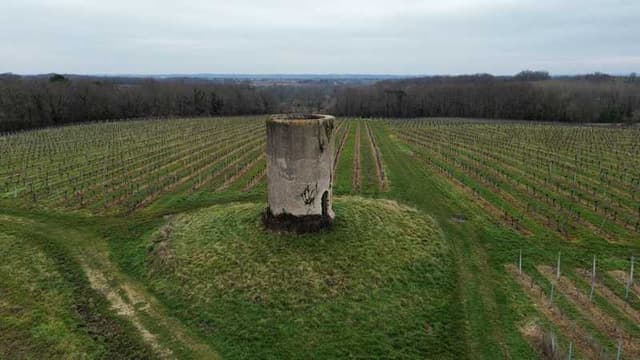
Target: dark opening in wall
x=325 y=204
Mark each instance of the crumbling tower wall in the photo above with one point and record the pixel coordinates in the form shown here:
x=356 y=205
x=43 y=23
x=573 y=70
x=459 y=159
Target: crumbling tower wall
x=299 y=152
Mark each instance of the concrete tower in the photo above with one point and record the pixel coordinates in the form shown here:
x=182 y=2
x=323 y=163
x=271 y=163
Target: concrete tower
x=299 y=172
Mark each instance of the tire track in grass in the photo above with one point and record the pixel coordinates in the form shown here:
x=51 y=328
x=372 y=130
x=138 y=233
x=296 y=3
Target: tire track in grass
x=477 y=273
x=98 y=282
x=167 y=336
x=86 y=311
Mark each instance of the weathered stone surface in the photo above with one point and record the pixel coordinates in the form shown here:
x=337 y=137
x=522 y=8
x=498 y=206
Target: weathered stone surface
x=300 y=170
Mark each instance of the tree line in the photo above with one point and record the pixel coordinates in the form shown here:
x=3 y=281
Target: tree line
x=32 y=102
x=38 y=101
x=527 y=96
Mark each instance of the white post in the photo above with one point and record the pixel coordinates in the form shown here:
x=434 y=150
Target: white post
x=570 y=351
x=520 y=263
x=558 y=267
x=630 y=282
x=619 y=353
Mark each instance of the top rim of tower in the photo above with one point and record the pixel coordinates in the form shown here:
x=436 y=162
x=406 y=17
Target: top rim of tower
x=298 y=118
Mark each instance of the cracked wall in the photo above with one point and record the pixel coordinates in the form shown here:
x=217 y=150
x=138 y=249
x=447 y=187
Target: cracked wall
x=299 y=155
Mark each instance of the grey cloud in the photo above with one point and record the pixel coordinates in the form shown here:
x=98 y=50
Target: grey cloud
x=275 y=36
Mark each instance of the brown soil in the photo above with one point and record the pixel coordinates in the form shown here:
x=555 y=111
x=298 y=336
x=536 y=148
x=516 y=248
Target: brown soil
x=491 y=210
x=622 y=277
x=297 y=224
x=583 y=342
x=538 y=217
x=255 y=180
x=129 y=300
x=611 y=297
x=356 y=161
x=182 y=180
x=99 y=282
x=601 y=320
x=152 y=197
x=242 y=171
x=382 y=179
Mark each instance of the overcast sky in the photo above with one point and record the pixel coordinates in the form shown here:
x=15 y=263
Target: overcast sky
x=323 y=36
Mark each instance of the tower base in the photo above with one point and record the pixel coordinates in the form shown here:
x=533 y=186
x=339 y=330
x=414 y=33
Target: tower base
x=296 y=224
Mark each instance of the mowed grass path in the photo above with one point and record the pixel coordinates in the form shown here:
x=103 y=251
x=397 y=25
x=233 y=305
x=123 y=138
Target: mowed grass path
x=483 y=313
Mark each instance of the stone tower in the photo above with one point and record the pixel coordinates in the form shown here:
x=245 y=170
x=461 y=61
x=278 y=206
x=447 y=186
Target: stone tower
x=299 y=172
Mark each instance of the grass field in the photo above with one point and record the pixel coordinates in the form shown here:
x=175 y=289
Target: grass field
x=141 y=240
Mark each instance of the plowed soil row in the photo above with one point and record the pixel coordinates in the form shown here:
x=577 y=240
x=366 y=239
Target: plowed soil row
x=583 y=342
x=601 y=320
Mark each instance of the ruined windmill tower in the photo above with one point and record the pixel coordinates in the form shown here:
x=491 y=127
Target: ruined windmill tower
x=299 y=172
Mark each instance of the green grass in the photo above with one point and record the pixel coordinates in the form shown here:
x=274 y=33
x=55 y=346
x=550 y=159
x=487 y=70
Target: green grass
x=369 y=176
x=375 y=286
x=35 y=315
x=370 y=288
x=47 y=309
x=344 y=173
x=487 y=321
x=483 y=247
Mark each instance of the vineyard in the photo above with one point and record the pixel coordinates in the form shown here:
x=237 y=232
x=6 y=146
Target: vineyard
x=120 y=167
x=543 y=221
x=579 y=186
x=117 y=168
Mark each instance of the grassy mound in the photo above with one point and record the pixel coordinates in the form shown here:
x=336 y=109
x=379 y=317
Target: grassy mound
x=377 y=285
